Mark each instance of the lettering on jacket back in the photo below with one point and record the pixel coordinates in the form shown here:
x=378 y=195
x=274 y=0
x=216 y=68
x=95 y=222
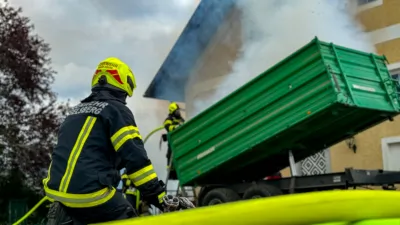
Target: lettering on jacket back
x=94 y=107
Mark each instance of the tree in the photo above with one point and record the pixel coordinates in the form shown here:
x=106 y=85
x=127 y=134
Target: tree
x=29 y=113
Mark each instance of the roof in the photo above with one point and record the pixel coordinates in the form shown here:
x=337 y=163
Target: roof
x=170 y=80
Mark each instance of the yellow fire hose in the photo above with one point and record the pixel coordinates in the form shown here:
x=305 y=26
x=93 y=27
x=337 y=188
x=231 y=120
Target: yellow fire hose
x=45 y=198
x=341 y=207
x=152 y=132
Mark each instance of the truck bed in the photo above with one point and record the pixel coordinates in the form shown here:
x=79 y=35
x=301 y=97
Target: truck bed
x=316 y=97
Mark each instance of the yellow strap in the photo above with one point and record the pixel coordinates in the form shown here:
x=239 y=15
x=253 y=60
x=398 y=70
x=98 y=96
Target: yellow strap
x=137 y=199
x=130 y=192
x=124 y=134
x=160 y=197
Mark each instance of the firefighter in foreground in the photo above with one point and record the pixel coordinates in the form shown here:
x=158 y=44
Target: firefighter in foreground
x=98 y=138
x=173 y=120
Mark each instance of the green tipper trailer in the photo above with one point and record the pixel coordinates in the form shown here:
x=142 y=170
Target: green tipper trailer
x=318 y=96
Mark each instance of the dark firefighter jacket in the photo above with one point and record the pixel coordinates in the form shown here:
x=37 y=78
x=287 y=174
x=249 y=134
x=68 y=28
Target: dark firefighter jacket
x=97 y=139
x=172 y=121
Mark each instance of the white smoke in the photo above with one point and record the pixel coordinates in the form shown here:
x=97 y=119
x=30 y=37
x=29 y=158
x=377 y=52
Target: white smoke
x=273 y=29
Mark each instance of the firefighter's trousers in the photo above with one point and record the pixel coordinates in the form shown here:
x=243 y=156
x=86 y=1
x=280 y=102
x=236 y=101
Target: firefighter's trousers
x=117 y=208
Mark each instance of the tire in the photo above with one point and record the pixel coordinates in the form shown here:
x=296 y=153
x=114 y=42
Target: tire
x=261 y=191
x=219 y=196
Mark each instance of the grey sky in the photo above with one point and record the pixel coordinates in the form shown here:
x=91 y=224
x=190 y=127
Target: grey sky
x=140 y=32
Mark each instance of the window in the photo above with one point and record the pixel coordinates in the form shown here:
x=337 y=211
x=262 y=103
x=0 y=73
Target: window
x=397 y=78
x=363 y=2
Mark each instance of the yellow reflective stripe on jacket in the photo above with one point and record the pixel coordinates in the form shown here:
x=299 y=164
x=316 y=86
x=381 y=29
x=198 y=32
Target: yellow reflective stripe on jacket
x=76 y=151
x=166 y=122
x=177 y=121
x=46 y=180
x=81 y=200
x=130 y=192
x=124 y=134
x=171 y=128
x=143 y=176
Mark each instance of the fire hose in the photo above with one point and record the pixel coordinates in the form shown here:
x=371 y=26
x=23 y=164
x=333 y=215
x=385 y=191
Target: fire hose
x=176 y=203
x=152 y=132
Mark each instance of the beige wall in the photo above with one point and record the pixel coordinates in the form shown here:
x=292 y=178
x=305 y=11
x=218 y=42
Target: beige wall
x=381 y=16
x=391 y=49
x=383 y=22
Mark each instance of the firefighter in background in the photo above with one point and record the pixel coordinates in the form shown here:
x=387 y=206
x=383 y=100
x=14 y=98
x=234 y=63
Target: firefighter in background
x=97 y=139
x=173 y=120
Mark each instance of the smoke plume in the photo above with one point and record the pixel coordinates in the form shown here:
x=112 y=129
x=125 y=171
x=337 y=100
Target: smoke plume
x=273 y=29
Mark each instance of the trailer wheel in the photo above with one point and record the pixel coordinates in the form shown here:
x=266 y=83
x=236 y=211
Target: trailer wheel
x=220 y=196
x=261 y=191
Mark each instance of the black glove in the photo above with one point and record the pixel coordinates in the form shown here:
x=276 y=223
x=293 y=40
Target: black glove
x=155 y=197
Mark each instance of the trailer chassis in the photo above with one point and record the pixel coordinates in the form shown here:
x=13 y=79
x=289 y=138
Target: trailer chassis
x=350 y=178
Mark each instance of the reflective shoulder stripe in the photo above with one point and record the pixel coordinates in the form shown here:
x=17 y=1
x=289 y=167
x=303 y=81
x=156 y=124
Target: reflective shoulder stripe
x=76 y=151
x=124 y=134
x=81 y=200
x=166 y=122
x=143 y=176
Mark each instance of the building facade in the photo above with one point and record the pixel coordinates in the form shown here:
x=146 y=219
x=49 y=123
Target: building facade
x=375 y=148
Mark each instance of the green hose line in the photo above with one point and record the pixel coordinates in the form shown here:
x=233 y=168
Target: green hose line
x=152 y=132
x=31 y=211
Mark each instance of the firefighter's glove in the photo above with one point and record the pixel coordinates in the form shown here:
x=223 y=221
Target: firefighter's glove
x=185 y=203
x=156 y=198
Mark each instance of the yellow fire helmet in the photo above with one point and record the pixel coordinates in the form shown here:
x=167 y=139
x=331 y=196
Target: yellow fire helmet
x=172 y=107
x=115 y=74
